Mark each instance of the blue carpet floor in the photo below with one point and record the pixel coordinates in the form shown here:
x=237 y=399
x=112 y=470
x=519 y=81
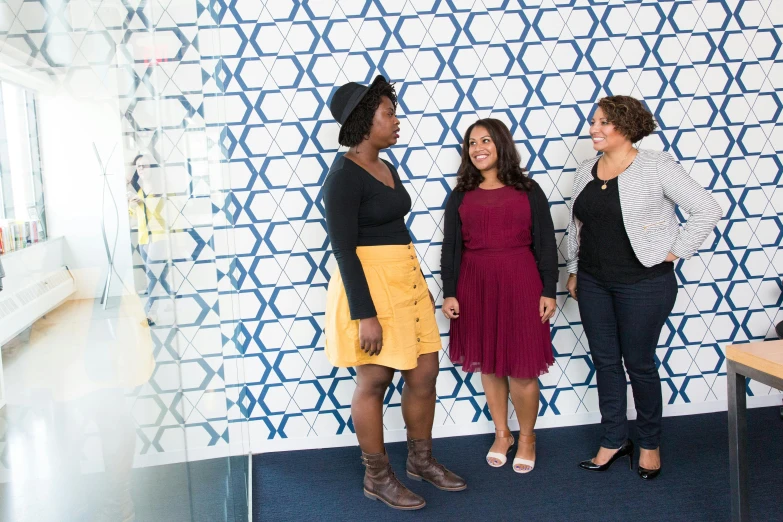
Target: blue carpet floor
x=693 y=486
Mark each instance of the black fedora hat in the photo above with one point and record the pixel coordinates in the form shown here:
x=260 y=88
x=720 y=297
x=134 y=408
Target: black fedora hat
x=348 y=96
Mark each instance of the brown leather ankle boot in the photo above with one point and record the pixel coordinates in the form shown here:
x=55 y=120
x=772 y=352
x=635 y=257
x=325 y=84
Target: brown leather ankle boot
x=380 y=483
x=422 y=465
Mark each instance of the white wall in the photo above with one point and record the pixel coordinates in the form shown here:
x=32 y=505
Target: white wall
x=73 y=187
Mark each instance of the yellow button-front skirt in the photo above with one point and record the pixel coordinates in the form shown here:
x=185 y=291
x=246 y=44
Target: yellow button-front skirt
x=403 y=305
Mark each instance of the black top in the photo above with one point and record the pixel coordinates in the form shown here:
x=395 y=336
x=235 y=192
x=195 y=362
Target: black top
x=362 y=211
x=544 y=244
x=605 y=252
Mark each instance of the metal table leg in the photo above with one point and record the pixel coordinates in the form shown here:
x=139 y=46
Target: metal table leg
x=738 y=469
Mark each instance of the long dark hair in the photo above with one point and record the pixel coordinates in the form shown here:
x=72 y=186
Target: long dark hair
x=510 y=172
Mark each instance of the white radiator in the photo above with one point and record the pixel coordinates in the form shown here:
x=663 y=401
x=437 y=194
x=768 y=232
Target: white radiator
x=20 y=308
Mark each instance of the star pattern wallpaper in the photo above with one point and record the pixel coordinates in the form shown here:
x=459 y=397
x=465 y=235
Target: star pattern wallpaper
x=229 y=99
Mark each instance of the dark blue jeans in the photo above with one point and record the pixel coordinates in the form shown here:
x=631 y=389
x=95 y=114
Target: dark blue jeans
x=622 y=323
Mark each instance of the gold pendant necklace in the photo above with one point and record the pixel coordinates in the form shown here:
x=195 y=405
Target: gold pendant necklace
x=617 y=173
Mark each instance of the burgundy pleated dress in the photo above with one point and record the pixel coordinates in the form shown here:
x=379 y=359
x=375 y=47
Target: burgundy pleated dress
x=499 y=330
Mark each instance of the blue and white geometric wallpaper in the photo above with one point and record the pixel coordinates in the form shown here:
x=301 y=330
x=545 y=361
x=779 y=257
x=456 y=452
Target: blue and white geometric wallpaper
x=230 y=98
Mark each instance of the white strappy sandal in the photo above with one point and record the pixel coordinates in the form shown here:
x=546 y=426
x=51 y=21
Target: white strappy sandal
x=525 y=465
x=495 y=459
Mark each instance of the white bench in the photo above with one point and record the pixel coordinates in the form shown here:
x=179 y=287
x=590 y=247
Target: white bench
x=36 y=282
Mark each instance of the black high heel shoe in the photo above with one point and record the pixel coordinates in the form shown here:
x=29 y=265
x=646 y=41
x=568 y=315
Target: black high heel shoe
x=648 y=474
x=625 y=450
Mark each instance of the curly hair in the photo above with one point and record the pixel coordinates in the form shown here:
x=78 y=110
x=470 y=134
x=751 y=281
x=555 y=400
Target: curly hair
x=629 y=116
x=357 y=127
x=510 y=172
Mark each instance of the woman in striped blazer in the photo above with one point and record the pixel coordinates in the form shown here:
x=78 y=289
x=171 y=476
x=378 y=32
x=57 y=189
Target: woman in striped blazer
x=623 y=240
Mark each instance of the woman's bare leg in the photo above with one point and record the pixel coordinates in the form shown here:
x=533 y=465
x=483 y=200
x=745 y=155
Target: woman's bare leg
x=496 y=392
x=524 y=395
x=418 y=396
x=372 y=381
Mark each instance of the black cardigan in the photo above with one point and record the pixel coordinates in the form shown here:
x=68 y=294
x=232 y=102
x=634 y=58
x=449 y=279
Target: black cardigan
x=544 y=243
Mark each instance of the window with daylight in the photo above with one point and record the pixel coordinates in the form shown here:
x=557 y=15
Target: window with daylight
x=21 y=180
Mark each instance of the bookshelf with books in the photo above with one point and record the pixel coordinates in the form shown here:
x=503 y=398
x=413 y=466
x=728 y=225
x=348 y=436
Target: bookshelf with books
x=19 y=234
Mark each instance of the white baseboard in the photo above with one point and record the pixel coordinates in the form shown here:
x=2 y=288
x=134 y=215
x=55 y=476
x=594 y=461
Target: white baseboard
x=478 y=428
x=241 y=447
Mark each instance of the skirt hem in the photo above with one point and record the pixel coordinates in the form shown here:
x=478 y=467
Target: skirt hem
x=398 y=367
x=476 y=368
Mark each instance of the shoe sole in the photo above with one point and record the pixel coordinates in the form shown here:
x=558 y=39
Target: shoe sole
x=373 y=496
x=422 y=479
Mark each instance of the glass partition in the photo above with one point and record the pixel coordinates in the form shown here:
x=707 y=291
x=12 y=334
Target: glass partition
x=116 y=387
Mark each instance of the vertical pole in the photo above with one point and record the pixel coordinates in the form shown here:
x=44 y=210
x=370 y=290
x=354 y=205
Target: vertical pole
x=110 y=260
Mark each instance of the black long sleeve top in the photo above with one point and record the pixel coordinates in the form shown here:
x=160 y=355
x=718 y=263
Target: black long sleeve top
x=605 y=250
x=362 y=211
x=544 y=242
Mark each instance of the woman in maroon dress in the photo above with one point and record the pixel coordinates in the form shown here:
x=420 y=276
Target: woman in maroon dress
x=499 y=272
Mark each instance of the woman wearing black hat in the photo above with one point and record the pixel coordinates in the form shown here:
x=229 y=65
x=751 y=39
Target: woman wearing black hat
x=379 y=315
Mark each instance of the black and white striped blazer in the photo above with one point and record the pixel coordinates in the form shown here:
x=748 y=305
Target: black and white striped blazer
x=650 y=189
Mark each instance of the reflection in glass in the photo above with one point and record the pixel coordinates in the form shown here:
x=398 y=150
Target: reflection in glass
x=118 y=414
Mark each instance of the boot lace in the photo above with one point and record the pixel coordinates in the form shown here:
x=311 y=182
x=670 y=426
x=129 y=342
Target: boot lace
x=432 y=461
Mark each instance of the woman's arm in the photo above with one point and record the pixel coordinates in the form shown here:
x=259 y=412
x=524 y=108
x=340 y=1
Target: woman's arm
x=703 y=210
x=342 y=195
x=572 y=230
x=447 y=248
x=132 y=196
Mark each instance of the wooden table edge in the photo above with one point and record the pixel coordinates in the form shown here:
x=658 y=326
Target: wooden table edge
x=737 y=354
